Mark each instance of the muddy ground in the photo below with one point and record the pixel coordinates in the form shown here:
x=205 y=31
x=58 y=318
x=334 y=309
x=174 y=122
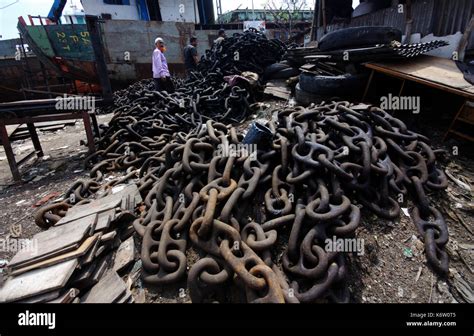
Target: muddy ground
x=392 y=269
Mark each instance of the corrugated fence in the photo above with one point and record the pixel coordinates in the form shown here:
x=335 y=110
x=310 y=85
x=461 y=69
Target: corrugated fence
x=440 y=17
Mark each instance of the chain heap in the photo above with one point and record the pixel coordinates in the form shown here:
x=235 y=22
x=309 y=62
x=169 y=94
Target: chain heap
x=191 y=105
x=248 y=51
x=206 y=95
x=259 y=221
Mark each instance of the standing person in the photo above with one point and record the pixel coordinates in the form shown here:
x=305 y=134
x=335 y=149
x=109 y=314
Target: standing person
x=221 y=36
x=191 y=59
x=161 y=74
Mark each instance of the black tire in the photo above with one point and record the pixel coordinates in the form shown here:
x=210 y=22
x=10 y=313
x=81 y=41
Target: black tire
x=274 y=68
x=285 y=73
x=342 y=85
x=358 y=37
x=306 y=98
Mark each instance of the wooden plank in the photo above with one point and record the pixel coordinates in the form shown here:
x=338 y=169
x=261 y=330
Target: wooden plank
x=127 y=233
x=69 y=219
x=102 y=204
x=82 y=278
x=125 y=255
x=90 y=255
x=37 y=282
x=86 y=245
x=108 y=290
x=125 y=298
x=55 y=239
x=67 y=297
x=41 y=298
x=108 y=236
x=102 y=267
x=432 y=71
x=91 y=274
x=43 y=257
x=29 y=102
x=99 y=251
x=104 y=219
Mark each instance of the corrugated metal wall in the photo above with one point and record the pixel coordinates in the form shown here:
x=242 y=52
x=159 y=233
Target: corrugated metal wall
x=440 y=17
x=452 y=16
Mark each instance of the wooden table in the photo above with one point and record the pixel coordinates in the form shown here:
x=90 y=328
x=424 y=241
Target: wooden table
x=29 y=112
x=435 y=72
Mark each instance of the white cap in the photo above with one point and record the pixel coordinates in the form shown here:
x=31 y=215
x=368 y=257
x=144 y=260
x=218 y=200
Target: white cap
x=159 y=39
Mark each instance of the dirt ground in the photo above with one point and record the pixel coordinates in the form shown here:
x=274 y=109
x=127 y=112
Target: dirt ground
x=392 y=269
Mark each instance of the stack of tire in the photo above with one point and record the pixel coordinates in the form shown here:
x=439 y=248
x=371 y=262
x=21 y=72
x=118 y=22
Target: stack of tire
x=315 y=88
x=282 y=70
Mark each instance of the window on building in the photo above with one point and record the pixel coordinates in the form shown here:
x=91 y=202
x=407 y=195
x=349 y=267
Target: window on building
x=154 y=10
x=117 y=2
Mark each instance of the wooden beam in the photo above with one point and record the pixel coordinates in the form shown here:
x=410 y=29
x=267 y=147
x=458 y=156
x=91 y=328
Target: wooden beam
x=9 y=152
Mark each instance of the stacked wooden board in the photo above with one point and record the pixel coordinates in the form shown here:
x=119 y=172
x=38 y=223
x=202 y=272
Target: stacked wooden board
x=81 y=257
x=278 y=88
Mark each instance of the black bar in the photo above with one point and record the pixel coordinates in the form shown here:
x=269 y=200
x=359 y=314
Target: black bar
x=94 y=31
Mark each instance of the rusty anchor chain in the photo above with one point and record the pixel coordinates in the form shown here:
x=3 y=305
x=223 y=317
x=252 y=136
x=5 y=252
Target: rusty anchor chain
x=259 y=221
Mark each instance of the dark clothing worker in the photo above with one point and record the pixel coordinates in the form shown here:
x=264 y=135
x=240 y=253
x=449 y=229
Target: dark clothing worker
x=191 y=59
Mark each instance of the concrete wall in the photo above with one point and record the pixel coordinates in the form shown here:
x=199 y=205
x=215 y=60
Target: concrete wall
x=120 y=12
x=207 y=37
x=171 y=10
x=140 y=45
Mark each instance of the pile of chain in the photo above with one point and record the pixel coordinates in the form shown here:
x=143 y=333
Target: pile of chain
x=205 y=95
x=191 y=105
x=257 y=222
x=260 y=221
x=248 y=51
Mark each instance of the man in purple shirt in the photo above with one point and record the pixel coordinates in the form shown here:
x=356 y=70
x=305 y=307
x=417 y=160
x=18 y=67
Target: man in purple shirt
x=161 y=74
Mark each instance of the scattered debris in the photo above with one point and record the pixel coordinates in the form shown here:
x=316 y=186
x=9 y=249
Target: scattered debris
x=46 y=198
x=464 y=185
x=418 y=274
x=465 y=289
x=59 y=148
x=408 y=252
